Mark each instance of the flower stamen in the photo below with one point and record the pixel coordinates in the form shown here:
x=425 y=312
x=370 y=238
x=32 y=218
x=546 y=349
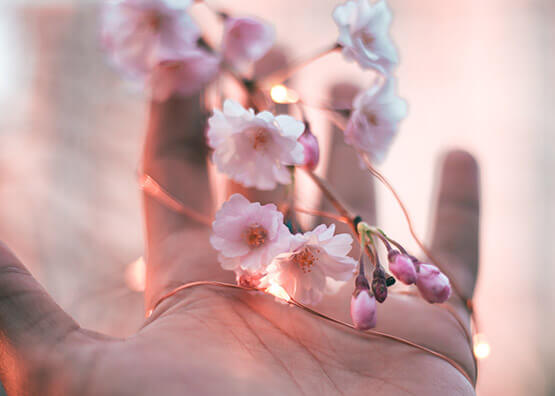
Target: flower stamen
x=255 y=236
x=367 y=39
x=373 y=119
x=305 y=259
x=260 y=138
x=154 y=21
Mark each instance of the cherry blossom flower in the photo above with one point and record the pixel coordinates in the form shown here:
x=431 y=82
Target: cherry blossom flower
x=246 y=40
x=312 y=257
x=374 y=121
x=364 y=34
x=254 y=150
x=433 y=284
x=248 y=236
x=137 y=33
x=184 y=75
x=402 y=267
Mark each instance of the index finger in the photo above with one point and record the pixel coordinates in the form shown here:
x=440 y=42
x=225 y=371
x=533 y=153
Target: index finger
x=175 y=158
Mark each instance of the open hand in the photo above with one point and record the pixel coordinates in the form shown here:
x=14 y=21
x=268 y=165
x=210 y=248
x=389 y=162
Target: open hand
x=213 y=341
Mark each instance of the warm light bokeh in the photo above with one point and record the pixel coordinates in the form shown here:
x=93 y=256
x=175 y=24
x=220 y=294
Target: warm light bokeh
x=135 y=275
x=279 y=292
x=482 y=348
x=281 y=94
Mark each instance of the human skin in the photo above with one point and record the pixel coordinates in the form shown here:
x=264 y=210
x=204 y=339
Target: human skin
x=213 y=341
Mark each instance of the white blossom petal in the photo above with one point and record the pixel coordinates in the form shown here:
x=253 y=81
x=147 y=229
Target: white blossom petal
x=313 y=257
x=364 y=34
x=375 y=120
x=290 y=126
x=248 y=235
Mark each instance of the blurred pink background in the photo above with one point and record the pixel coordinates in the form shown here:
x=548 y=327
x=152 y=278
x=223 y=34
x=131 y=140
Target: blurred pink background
x=475 y=74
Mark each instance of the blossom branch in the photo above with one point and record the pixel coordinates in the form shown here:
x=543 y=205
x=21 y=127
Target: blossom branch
x=284 y=74
x=322 y=213
x=331 y=196
x=343 y=211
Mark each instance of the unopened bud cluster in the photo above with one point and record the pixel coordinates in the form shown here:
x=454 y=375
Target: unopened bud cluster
x=432 y=284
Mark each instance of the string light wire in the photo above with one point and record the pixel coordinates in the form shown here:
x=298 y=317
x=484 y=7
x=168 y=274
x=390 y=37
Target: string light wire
x=321 y=315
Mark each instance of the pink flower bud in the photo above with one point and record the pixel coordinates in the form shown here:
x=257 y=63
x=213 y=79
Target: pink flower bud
x=363 y=309
x=311 y=149
x=246 y=40
x=402 y=267
x=433 y=284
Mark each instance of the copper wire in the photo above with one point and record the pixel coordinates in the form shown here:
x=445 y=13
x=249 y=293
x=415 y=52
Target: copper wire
x=321 y=315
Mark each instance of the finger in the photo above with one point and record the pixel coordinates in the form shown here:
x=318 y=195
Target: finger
x=28 y=315
x=175 y=156
x=456 y=228
x=354 y=184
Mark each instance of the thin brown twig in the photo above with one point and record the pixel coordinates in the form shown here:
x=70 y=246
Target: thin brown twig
x=343 y=211
x=322 y=213
x=283 y=74
x=330 y=195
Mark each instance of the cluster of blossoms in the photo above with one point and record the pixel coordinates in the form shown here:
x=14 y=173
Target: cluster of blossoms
x=159 y=43
x=253 y=241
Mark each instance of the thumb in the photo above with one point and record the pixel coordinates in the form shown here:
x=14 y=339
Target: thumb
x=28 y=315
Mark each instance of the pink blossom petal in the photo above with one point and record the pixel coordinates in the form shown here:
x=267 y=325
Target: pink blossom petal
x=363 y=310
x=339 y=245
x=253 y=149
x=403 y=268
x=248 y=235
x=246 y=40
x=433 y=284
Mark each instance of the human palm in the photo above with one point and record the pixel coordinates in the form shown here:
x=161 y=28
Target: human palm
x=209 y=340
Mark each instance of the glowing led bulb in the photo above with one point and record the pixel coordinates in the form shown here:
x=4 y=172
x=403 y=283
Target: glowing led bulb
x=482 y=348
x=135 y=275
x=277 y=291
x=281 y=94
